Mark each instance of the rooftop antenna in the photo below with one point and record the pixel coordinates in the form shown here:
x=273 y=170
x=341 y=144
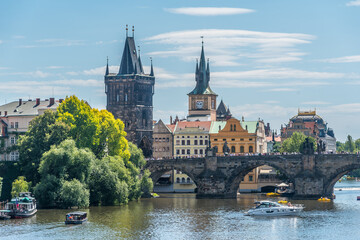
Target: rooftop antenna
x=126 y=30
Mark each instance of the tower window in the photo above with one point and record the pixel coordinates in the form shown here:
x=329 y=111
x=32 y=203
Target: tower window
x=117 y=97
x=126 y=97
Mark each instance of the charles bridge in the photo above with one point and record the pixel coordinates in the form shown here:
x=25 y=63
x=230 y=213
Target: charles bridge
x=313 y=175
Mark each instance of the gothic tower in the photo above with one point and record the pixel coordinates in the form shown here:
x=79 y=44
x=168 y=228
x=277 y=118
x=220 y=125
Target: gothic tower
x=130 y=96
x=202 y=100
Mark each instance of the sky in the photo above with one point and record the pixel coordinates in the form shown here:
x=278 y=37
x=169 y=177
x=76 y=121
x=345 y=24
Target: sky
x=268 y=59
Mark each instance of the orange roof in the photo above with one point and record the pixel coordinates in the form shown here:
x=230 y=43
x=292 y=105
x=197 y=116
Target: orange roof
x=197 y=124
x=171 y=127
x=277 y=139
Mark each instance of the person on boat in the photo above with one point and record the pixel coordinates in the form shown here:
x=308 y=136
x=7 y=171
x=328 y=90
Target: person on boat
x=289 y=204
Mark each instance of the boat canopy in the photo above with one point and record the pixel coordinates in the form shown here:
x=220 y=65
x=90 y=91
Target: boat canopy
x=77 y=213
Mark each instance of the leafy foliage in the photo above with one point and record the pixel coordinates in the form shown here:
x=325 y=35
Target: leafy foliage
x=74 y=193
x=146 y=184
x=20 y=185
x=43 y=132
x=294 y=143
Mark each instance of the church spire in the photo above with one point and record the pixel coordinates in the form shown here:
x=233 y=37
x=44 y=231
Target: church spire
x=107 y=66
x=152 y=69
x=139 y=60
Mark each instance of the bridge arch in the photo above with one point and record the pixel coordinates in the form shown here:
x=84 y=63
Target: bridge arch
x=240 y=172
x=159 y=170
x=333 y=178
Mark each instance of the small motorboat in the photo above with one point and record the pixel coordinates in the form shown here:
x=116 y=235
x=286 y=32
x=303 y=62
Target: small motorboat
x=324 y=199
x=4 y=214
x=272 y=194
x=283 y=202
x=268 y=208
x=76 y=218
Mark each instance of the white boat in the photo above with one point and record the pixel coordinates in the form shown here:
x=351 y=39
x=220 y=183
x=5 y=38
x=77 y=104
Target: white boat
x=268 y=208
x=22 y=206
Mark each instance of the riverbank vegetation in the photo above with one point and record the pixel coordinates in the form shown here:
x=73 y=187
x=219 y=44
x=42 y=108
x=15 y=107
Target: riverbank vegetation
x=78 y=156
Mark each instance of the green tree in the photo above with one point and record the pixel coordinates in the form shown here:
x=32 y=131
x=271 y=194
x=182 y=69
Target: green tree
x=146 y=184
x=19 y=185
x=340 y=147
x=294 y=143
x=74 y=194
x=349 y=145
x=277 y=147
x=357 y=144
x=136 y=155
x=62 y=163
x=43 y=132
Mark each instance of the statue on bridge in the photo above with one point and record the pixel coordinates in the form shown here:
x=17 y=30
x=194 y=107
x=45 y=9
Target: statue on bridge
x=321 y=146
x=226 y=149
x=307 y=147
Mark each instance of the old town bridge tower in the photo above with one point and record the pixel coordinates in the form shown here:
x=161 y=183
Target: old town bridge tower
x=130 y=96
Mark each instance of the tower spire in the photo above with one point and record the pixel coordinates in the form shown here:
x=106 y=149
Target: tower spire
x=107 y=66
x=152 y=69
x=139 y=60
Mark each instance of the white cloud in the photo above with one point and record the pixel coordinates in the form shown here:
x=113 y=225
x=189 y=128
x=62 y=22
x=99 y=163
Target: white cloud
x=281 y=90
x=346 y=59
x=315 y=103
x=53 y=42
x=35 y=74
x=1 y=42
x=79 y=82
x=18 y=37
x=353 y=3
x=208 y=11
x=54 y=67
x=236 y=48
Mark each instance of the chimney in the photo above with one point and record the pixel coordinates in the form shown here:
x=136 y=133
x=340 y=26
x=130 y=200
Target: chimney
x=52 y=101
x=171 y=120
x=20 y=102
x=37 y=102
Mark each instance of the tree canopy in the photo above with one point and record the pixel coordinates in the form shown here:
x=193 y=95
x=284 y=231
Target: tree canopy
x=19 y=185
x=294 y=143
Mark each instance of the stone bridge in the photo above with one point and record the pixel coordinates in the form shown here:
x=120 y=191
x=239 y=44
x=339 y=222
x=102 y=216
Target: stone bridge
x=313 y=176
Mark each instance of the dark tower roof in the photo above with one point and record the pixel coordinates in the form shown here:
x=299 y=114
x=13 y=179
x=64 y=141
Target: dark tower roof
x=222 y=109
x=107 y=66
x=140 y=64
x=130 y=62
x=202 y=76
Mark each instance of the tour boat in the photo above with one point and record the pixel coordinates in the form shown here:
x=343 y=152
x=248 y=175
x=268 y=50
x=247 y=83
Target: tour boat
x=324 y=199
x=76 y=218
x=268 y=208
x=22 y=206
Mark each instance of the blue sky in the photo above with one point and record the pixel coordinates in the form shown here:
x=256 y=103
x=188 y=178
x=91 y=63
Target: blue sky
x=267 y=58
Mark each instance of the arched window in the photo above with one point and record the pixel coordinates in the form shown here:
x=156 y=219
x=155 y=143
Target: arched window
x=177 y=180
x=232 y=149
x=242 y=149
x=188 y=180
x=231 y=127
x=234 y=128
x=251 y=149
x=183 y=180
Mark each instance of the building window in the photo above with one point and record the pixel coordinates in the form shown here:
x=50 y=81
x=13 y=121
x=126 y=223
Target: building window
x=177 y=180
x=205 y=136
x=188 y=151
x=177 y=142
x=182 y=142
x=213 y=104
x=215 y=139
x=250 y=139
x=200 y=136
x=231 y=128
x=201 y=151
x=16 y=124
x=167 y=139
x=195 y=151
x=232 y=149
x=177 y=137
x=241 y=139
x=12 y=125
x=188 y=180
x=187 y=142
x=201 y=142
x=183 y=180
x=224 y=139
x=250 y=178
x=126 y=97
x=117 y=97
x=242 y=149
x=195 y=142
x=177 y=151
x=233 y=139
x=188 y=136
x=251 y=149
x=195 y=137
x=182 y=151
x=234 y=128
x=13 y=140
x=206 y=142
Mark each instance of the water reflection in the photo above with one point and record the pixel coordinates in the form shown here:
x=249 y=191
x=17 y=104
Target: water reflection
x=182 y=216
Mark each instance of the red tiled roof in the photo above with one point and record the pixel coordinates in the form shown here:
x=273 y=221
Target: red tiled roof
x=171 y=127
x=197 y=124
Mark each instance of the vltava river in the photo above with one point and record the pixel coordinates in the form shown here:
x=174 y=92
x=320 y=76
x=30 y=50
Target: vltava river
x=185 y=217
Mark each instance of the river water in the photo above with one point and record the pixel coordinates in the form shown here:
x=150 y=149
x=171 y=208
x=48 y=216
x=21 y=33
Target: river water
x=182 y=216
